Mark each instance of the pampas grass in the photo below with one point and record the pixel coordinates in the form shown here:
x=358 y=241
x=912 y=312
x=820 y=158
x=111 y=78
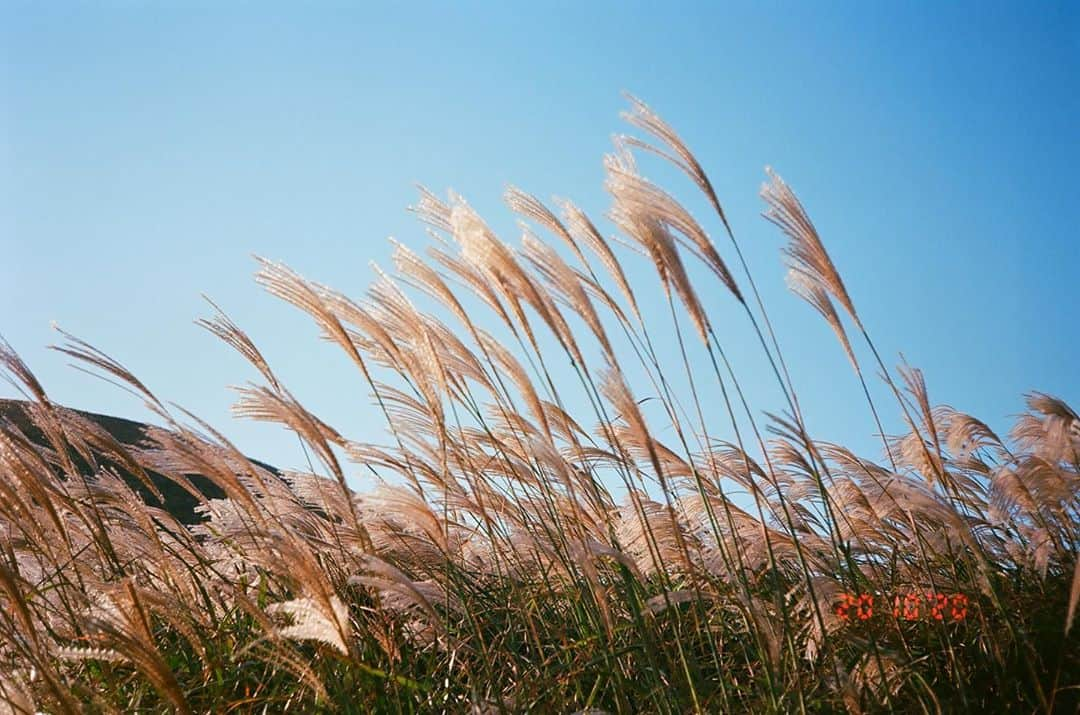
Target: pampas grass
x=532 y=543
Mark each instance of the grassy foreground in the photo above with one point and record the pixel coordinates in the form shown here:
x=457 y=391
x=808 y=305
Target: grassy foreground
x=533 y=544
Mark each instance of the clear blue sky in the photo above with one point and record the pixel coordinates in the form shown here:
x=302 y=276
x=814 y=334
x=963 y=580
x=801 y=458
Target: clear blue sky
x=146 y=151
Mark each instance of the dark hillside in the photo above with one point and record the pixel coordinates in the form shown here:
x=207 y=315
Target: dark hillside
x=128 y=433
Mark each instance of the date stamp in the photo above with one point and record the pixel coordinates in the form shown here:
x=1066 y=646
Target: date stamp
x=912 y=606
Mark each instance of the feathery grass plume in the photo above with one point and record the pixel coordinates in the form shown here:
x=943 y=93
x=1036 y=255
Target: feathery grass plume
x=814 y=278
x=660 y=246
x=230 y=333
x=310 y=622
x=530 y=207
x=637 y=196
x=495 y=260
x=85 y=352
x=807 y=287
x=566 y=285
x=422 y=276
x=641 y=116
x=433 y=211
x=122 y=623
x=580 y=226
x=1050 y=428
x=805 y=252
x=388 y=579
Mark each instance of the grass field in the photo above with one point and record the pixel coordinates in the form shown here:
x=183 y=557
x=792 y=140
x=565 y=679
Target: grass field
x=522 y=553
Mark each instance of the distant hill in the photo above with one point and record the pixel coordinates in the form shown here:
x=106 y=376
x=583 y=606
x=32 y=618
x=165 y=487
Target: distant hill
x=129 y=433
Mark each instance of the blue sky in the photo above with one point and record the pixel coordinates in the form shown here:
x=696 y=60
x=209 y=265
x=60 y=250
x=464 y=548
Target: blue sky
x=148 y=149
